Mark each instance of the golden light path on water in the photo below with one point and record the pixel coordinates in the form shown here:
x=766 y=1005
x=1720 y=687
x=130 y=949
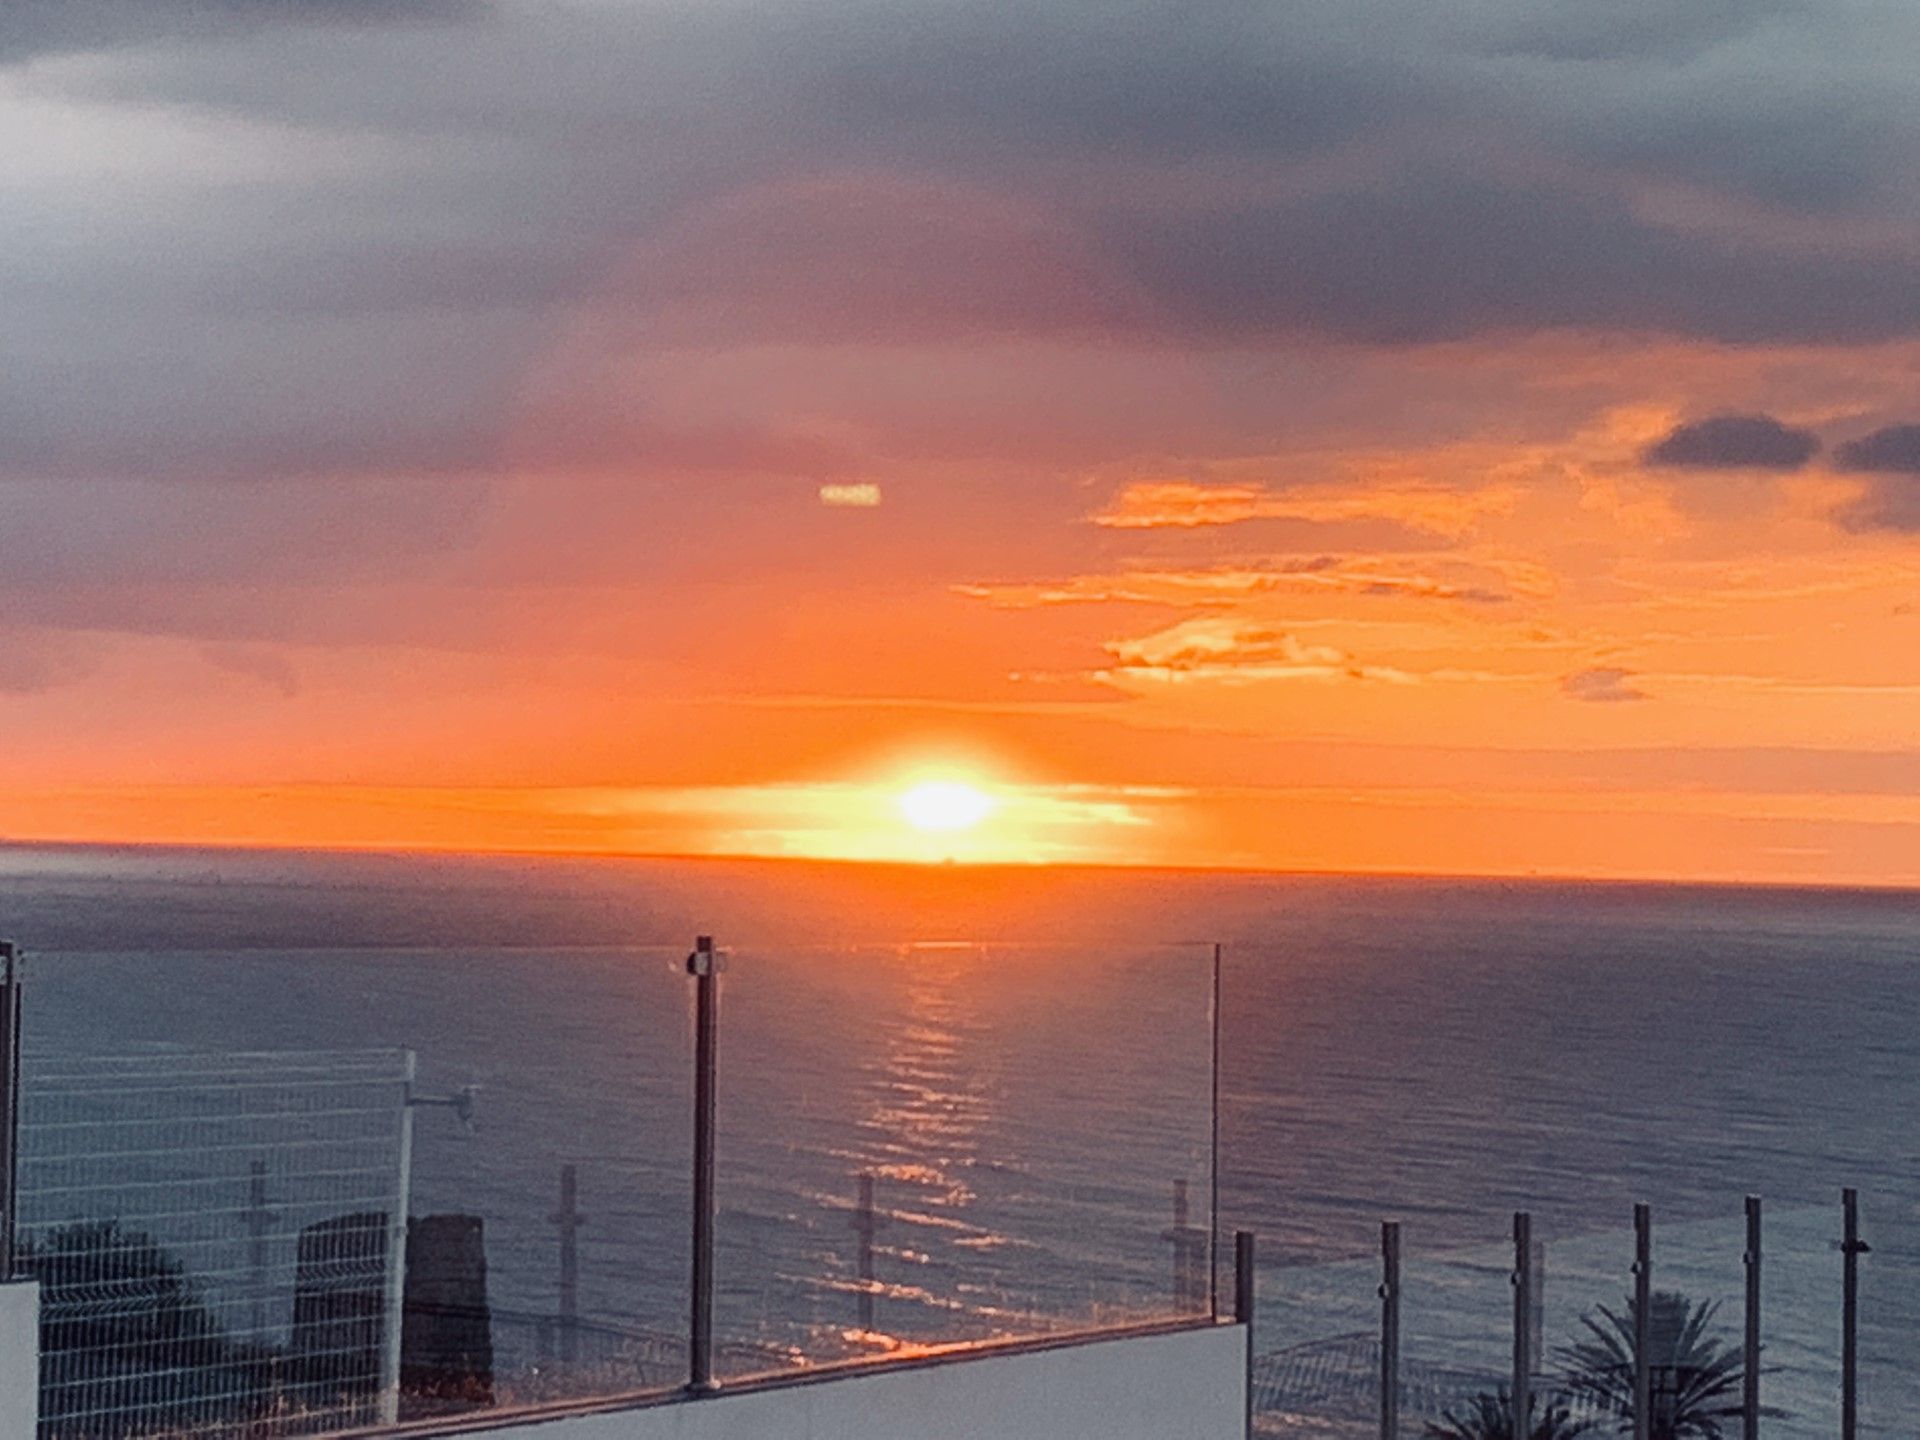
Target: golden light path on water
x=929 y=1103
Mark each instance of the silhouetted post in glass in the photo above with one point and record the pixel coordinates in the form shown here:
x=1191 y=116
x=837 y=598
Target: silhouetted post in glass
x=1852 y=1247
x=866 y=1222
x=1189 y=1243
x=1642 y=1321
x=1522 y=1323
x=9 y=1103
x=702 y=965
x=569 y=1220
x=1750 y=1379
x=1390 y=1330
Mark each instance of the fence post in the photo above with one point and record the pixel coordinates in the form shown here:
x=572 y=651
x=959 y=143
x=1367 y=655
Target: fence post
x=1642 y=1321
x=1244 y=1273
x=1851 y=1248
x=1213 y=1144
x=568 y=1219
x=1750 y=1381
x=1390 y=1330
x=1522 y=1324
x=702 y=964
x=9 y=1106
x=396 y=1276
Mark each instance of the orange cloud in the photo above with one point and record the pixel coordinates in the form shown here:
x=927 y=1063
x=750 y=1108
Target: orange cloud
x=1185 y=505
x=1236 y=652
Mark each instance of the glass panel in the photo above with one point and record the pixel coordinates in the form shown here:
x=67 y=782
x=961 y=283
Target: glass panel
x=235 y=1128
x=923 y=1145
x=1800 y=1322
x=1889 y=1314
x=1316 y=1369
x=1456 y=1346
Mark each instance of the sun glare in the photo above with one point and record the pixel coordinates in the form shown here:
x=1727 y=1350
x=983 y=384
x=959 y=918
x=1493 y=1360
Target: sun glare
x=945 y=805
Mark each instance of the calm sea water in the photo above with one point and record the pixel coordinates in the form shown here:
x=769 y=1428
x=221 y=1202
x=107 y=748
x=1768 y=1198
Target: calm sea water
x=1021 y=1061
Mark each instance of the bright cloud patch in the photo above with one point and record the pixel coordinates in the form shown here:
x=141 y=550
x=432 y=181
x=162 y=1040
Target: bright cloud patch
x=1235 y=651
x=1183 y=505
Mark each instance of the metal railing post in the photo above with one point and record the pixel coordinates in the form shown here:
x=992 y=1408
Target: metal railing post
x=1390 y=1330
x=1750 y=1379
x=397 y=1228
x=1213 y=1147
x=1850 y=1250
x=1522 y=1324
x=10 y=979
x=1642 y=1321
x=1244 y=1273
x=702 y=964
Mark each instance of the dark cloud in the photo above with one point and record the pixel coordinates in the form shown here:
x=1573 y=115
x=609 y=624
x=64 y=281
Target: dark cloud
x=1893 y=450
x=1217 y=175
x=1889 y=502
x=1891 y=499
x=51 y=27
x=1611 y=31
x=1735 y=442
x=1602 y=684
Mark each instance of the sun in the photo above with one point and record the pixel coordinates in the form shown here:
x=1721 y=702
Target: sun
x=945 y=805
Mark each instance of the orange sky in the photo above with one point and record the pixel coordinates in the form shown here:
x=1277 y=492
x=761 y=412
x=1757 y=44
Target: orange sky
x=794 y=474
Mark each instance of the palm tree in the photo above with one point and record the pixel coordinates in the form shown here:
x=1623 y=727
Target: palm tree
x=1696 y=1378
x=1489 y=1416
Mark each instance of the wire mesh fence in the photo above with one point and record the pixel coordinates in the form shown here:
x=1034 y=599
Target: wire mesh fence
x=218 y=1240
x=1725 y=1340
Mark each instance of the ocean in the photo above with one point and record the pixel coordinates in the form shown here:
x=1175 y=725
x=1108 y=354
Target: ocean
x=1021 y=1060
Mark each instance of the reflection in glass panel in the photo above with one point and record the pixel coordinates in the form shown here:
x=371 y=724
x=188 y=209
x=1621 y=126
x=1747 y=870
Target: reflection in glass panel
x=925 y=1145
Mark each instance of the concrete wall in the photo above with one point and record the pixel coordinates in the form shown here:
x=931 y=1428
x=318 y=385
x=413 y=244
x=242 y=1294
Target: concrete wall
x=1186 y=1385
x=19 y=1358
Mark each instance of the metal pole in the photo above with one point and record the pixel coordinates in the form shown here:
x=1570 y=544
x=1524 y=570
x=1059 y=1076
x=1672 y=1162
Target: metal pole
x=569 y=1220
x=1243 y=1304
x=1850 y=1249
x=1642 y=1321
x=865 y=1222
x=1213 y=1153
x=1750 y=1382
x=397 y=1250
x=1390 y=1330
x=1522 y=1324
x=701 y=965
x=10 y=978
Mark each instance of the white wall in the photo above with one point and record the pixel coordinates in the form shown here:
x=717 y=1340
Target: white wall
x=1187 y=1385
x=19 y=1358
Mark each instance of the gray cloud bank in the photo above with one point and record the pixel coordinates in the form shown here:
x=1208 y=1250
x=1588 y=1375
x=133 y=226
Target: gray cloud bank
x=294 y=262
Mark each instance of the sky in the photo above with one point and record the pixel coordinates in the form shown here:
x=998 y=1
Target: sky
x=1341 y=434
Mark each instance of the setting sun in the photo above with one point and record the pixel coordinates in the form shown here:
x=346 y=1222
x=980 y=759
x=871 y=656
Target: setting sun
x=945 y=805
